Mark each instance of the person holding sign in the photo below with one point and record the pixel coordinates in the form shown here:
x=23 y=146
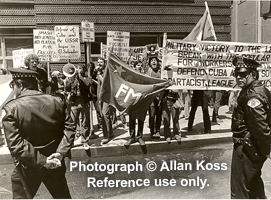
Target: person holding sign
x=251 y=127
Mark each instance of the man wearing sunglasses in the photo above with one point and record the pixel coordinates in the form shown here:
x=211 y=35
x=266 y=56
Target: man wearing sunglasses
x=251 y=131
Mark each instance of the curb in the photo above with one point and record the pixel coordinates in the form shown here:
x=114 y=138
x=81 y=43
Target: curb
x=151 y=146
x=191 y=141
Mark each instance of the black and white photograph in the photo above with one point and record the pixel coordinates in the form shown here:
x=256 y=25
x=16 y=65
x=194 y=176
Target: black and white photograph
x=135 y=99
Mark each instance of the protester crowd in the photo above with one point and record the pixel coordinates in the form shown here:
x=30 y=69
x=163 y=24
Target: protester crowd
x=58 y=109
x=79 y=85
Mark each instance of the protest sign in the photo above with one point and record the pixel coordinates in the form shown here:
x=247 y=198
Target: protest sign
x=120 y=43
x=18 y=57
x=136 y=53
x=208 y=64
x=87 y=30
x=68 y=42
x=45 y=45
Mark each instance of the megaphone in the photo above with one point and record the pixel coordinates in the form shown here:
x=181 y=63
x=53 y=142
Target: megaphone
x=69 y=70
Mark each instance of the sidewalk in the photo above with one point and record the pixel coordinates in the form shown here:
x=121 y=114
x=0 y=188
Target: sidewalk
x=220 y=134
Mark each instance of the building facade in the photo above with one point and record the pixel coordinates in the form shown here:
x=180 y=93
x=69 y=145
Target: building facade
x=146 y=21
x=247 y=24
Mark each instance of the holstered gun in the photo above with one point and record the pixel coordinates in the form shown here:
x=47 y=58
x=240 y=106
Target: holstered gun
x=250 y=149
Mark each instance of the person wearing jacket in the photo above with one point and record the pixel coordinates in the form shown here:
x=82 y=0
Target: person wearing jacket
x=251 y=131
x=39 y=133
x=77 y=88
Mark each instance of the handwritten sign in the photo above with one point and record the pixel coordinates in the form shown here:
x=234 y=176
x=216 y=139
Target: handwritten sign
x=45 y=45
x=68 y=42
x=208 y=64
x=120 y=43
x=19 y=55
x=87 y=30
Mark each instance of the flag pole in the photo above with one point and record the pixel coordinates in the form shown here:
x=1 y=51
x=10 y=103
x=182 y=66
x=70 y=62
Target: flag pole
x=164 y=46
x=210 y=20
x=88 y=52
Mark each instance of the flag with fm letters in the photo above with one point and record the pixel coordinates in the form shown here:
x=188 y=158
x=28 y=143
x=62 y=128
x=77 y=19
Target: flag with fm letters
x=128 y=90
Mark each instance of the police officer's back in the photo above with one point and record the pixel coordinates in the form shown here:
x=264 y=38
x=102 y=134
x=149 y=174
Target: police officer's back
x=39 y=133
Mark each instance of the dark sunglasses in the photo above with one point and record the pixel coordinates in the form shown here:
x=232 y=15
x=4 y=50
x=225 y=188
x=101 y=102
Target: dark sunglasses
x=240 y=74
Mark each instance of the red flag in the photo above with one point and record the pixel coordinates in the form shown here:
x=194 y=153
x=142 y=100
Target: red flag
x=128 y=90
x=204 y=29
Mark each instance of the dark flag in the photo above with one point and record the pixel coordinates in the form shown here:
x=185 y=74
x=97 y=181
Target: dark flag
x=128 y=90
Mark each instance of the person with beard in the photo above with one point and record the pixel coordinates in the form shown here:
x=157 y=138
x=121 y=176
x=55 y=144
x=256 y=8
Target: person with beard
x=106 y=109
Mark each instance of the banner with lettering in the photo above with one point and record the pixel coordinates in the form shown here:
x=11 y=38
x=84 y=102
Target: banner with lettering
x=120 y=42
x=18 y=57
x=208 y=64
x=136 y=53
x=87 y=31
x=68 y=42
x=128 y=90
x=45 y=45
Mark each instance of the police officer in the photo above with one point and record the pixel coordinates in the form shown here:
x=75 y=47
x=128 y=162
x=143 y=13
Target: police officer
x=39 y=133
x=251 y=132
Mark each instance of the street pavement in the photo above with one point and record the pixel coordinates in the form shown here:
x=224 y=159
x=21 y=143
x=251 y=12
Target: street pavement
x=196 y=138
x=217 y=181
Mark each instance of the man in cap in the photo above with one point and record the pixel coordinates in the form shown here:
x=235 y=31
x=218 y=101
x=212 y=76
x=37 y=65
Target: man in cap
x=39 y=133
x=251 y=131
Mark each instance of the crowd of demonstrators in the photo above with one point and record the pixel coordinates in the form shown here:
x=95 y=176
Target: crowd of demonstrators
x=55 y=118
x=84 y=86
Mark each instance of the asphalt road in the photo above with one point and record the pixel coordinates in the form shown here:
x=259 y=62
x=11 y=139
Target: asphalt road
x=199 y=173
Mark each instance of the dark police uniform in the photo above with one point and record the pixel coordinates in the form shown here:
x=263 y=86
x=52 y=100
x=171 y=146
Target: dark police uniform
x=35 y=126
x=251 y=120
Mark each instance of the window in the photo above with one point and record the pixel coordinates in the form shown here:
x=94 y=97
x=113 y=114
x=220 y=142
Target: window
x=16 y=44
x=10 y=44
